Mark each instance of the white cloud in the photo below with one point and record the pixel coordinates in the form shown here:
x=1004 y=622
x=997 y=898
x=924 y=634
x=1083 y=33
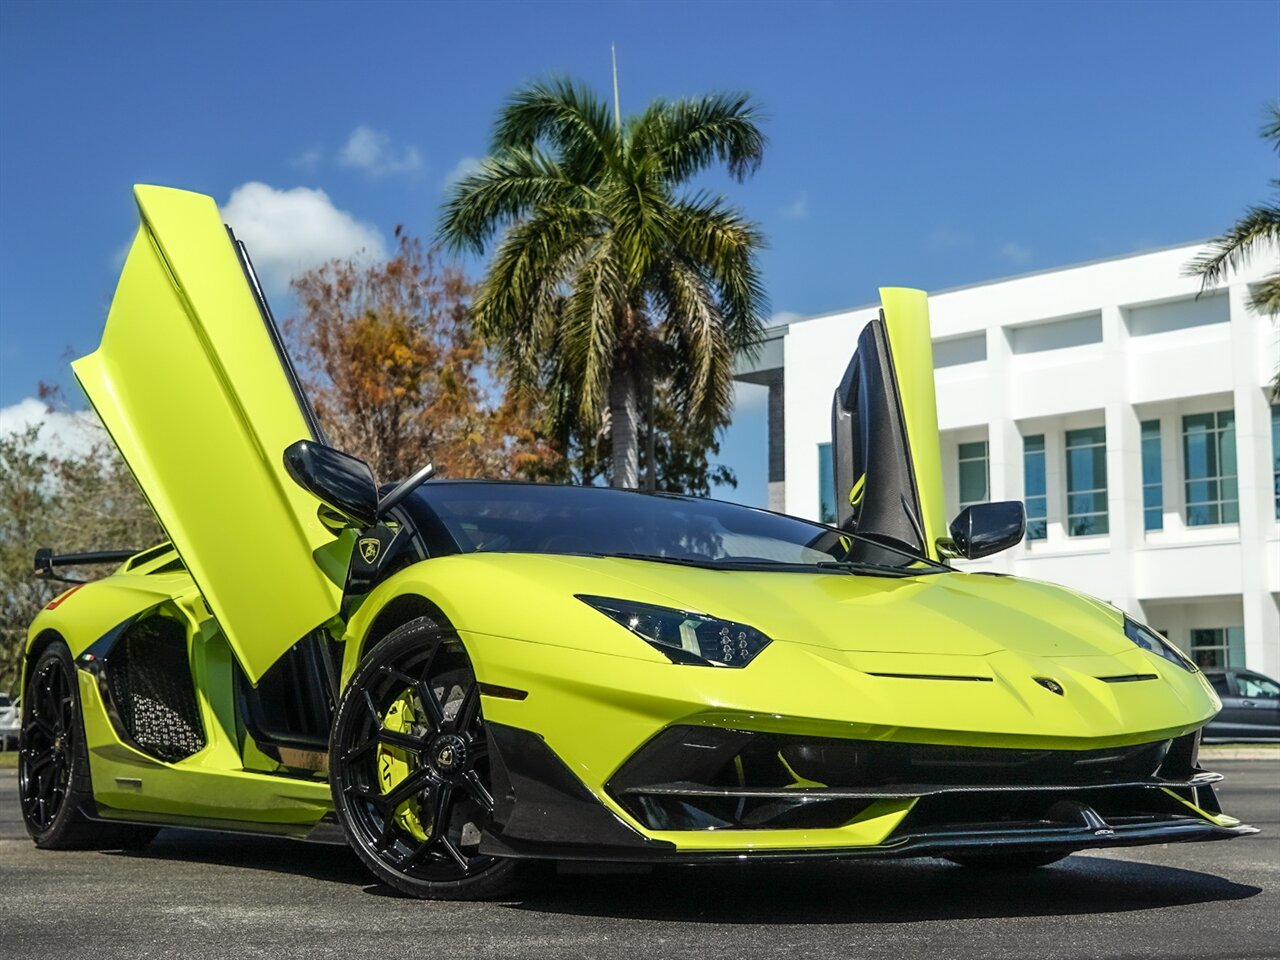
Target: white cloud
x=308 y=159
x=1015 y=252
x=464 y=167
x=61 y=433
x=371 y=150
x=290 y=231
x=798 y=208
x=946 y=238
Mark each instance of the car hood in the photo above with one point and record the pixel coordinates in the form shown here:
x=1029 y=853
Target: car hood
x=940 y=614
x=943 y=613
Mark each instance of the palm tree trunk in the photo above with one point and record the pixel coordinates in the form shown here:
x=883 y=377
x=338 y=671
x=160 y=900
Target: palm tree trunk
x=623 y=415
x=650 y=455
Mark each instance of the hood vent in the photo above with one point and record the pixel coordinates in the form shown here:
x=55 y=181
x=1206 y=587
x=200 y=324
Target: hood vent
x=929 y=676
x=1129 y=678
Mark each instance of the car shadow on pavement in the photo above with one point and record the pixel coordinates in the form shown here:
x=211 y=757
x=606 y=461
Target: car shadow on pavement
x=885 y=892
x=320 y=861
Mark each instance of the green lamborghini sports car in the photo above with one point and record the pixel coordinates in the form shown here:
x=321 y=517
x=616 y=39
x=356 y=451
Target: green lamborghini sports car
x=461 y=678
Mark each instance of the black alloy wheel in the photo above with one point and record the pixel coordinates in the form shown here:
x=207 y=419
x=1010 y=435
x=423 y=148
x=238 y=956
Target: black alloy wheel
x=54 y=784
x=46 y=756
x=409 y=768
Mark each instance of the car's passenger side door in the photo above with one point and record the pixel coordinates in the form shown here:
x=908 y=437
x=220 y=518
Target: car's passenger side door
x=1257 y=705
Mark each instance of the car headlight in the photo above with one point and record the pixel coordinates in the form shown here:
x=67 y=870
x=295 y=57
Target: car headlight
x=1152 y=642
x=684 y=637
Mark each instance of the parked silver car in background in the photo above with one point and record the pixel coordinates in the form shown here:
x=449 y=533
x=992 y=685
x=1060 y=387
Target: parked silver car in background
x=10 y=721
x=1250 y=706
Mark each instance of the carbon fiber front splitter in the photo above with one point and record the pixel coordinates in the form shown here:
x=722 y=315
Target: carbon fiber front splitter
x=1064 y=839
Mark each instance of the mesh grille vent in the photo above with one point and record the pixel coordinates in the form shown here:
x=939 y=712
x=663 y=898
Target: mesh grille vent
x=150 y=680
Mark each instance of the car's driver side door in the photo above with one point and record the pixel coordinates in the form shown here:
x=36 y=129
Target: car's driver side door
x=193 y=383
x=884 y=427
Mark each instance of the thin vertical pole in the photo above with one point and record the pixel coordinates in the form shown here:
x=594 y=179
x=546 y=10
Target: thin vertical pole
x=617 y=104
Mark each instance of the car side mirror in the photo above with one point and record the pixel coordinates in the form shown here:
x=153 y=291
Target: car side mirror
x=987 y=528
x=342 y=483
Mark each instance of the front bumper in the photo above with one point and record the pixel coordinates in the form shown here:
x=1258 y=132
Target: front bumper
x=1153 y=793
x=571 y=784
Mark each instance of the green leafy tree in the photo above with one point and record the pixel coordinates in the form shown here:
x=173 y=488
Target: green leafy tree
x=607 y=262
x=72 y=500
x=1255 y=232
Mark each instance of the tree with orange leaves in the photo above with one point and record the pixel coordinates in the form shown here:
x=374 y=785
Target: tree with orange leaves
x=399 y=376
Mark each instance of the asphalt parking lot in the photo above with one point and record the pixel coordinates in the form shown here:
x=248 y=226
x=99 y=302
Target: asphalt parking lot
x=204 y=895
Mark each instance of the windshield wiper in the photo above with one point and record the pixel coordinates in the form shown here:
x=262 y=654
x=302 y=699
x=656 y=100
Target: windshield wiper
x=824 y=566
x=860 y=566
x=660 y=558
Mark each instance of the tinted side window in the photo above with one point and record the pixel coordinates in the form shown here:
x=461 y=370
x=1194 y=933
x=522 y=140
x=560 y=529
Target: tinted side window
x=1252 y=685
x=1219 y=681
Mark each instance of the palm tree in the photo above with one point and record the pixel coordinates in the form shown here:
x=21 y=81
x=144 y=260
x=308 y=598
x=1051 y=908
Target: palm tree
x=606 y=264
x=1252 y=233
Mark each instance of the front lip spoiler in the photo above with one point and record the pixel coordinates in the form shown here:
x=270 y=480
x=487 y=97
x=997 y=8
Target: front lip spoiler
x=938 y=843
x=905 y=791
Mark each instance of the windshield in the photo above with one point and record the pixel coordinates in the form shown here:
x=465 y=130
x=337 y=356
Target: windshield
x=480 y=517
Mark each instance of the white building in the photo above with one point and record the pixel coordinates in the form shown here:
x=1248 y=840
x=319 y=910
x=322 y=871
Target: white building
x=1132 y=417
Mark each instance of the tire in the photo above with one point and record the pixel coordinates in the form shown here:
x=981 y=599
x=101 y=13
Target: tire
x=53 y=764
x=407 y=754
x=1008 y=862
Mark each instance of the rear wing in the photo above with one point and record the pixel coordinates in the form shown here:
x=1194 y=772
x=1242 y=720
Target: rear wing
x=47 y=560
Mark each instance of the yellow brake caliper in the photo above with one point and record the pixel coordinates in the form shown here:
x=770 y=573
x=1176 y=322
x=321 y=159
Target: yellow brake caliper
x=395 y=764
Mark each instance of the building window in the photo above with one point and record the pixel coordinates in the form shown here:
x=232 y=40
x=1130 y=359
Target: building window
x=1275 y=455
x=1209 y=456
x=1087 y=482
x=1152 y=477
x=1218 y=646
x=973 y=473
x=1033 y=487
x=826 y=485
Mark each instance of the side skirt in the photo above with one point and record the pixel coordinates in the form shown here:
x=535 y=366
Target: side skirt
x=327 y=831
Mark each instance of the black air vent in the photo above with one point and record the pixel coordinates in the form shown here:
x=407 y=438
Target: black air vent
x=1129 y=678
x=149 y=676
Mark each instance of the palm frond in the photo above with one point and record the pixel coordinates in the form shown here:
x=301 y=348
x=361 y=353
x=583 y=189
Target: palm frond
x=693 y=327
x=1271 y=129
x=566 y=116
x=1264 y=297
x=708 y=231
x=516 y=305
x=638 y=211
x=689 y=136
x=503 y=189
x=590 y=328
x=1260 y=225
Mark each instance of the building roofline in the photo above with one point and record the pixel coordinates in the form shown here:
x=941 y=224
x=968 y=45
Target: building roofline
x=781 y=328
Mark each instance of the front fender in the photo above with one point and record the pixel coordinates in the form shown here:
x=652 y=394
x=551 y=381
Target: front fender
x=481 y=595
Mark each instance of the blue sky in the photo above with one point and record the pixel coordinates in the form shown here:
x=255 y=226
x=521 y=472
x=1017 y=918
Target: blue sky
x=925 y=144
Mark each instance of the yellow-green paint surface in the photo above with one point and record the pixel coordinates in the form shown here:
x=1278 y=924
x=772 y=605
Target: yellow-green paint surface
x=906 y=319
x=213 y=784
x=191 y=388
